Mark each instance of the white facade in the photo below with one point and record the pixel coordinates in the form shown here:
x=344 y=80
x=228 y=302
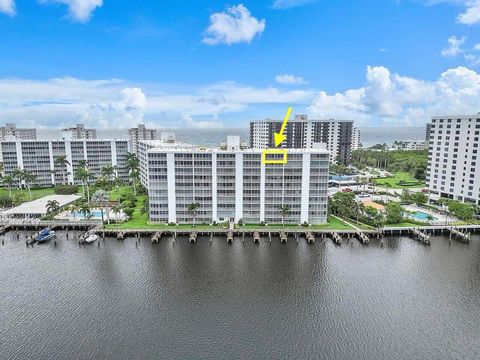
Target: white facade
x=452 y=170
x=303 y=133
x=232 y=184
x=141 y=133
x=356 y=139
x=414 y=144
x=11 y=132
x=79 y=132
x=38 y=156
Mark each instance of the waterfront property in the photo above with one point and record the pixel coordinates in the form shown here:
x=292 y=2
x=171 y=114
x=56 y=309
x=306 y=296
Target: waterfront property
x=39 y=208
x=303 y=133
x=230 y=183
x=452 y=170
x=38 y=157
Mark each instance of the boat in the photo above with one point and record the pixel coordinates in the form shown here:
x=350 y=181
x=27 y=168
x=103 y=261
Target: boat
x=45 y=235
x=91 y=238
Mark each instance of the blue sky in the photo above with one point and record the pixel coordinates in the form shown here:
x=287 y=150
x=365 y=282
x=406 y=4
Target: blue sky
x=200 y=63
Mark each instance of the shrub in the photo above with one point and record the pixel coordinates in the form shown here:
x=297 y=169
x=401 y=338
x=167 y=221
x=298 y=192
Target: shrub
x=65 y=189
x=6 y=201
x=128 y=211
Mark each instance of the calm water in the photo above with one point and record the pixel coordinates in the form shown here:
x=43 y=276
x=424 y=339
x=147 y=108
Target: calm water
x=203 y=300
x=212 y=137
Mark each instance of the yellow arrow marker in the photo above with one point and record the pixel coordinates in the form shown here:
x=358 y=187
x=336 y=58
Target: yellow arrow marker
x=279 y=137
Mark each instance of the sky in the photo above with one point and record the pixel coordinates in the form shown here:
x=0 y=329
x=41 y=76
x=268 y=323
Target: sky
x=212 y=64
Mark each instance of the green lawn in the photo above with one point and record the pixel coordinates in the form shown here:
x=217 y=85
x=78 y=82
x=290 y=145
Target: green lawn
x=36 y=193
x=139 y=221
x=393 y=182
x=117 y=192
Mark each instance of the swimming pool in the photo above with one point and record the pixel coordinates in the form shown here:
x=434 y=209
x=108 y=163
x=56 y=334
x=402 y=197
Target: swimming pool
x=341 y=177
x=94 y=214
x=422 y=216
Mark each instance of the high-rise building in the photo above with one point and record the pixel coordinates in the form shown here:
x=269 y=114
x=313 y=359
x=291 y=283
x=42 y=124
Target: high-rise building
x=11 y=132
x=141 y=133
x=428 y=129
x=38 y=156
x=356 y=139
x=79 y=132
x=452 y=170
x=303 y=133
x=230 y=183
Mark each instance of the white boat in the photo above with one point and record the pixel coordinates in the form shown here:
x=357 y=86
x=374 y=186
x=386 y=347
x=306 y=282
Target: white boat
x=91 y=238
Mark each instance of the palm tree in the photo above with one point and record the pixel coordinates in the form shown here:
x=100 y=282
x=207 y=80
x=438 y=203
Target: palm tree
x=84 y=174
x=284 y=212
x=100 y=197
x=52 y=206
x=134 y=176
x=29 y=178
x=73 y=210
x=193 y=210
x=117 y=209
x=8 y=181
x=108 y=171
x=18 y=174
x=85 y=209
x=61 y=161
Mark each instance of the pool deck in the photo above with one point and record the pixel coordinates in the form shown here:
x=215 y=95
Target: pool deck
x=440 y=218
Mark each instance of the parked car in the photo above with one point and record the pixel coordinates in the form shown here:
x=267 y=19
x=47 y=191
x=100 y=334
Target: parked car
x=347 y=190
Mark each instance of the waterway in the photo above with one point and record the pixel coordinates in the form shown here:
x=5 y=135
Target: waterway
x=239 y=301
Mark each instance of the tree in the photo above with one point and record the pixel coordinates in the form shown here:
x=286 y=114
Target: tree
x=52 y=206
x=193 y=210
x=28 y=178
x=344 y=204
x=8 y=181
x=18 y=175
x=419 y=198
x=394 y=212
x=108 y=171
x=85 y=210
x=100 y=197
x=73 y=210
x=61 y=161
x=134 y=176
x=461 y=210
x=284 y=212
x=84 y=175
x=117 y=209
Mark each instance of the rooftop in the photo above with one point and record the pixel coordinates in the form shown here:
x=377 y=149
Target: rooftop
x=39 y=207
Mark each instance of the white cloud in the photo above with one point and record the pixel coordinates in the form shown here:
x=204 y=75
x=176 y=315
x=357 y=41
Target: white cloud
x=287 y=4
x=289 y=79
x=454 y=46
x=393 y=99
x=473 y=60
x=7 y=7
x=116 y=103
x=201 y=124
x=471 y=15
x=234 y=25
x=477 y=47
x=79 y=10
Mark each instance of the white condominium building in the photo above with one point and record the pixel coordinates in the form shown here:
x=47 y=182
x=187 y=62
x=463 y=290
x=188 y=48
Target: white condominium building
x=38 y=156
x=414 y=144
x=79 y=132
x=452 y=170
x=230 y=183
x=356 y=139
x=11 y=132
x=303 y=133
x=141 y=133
